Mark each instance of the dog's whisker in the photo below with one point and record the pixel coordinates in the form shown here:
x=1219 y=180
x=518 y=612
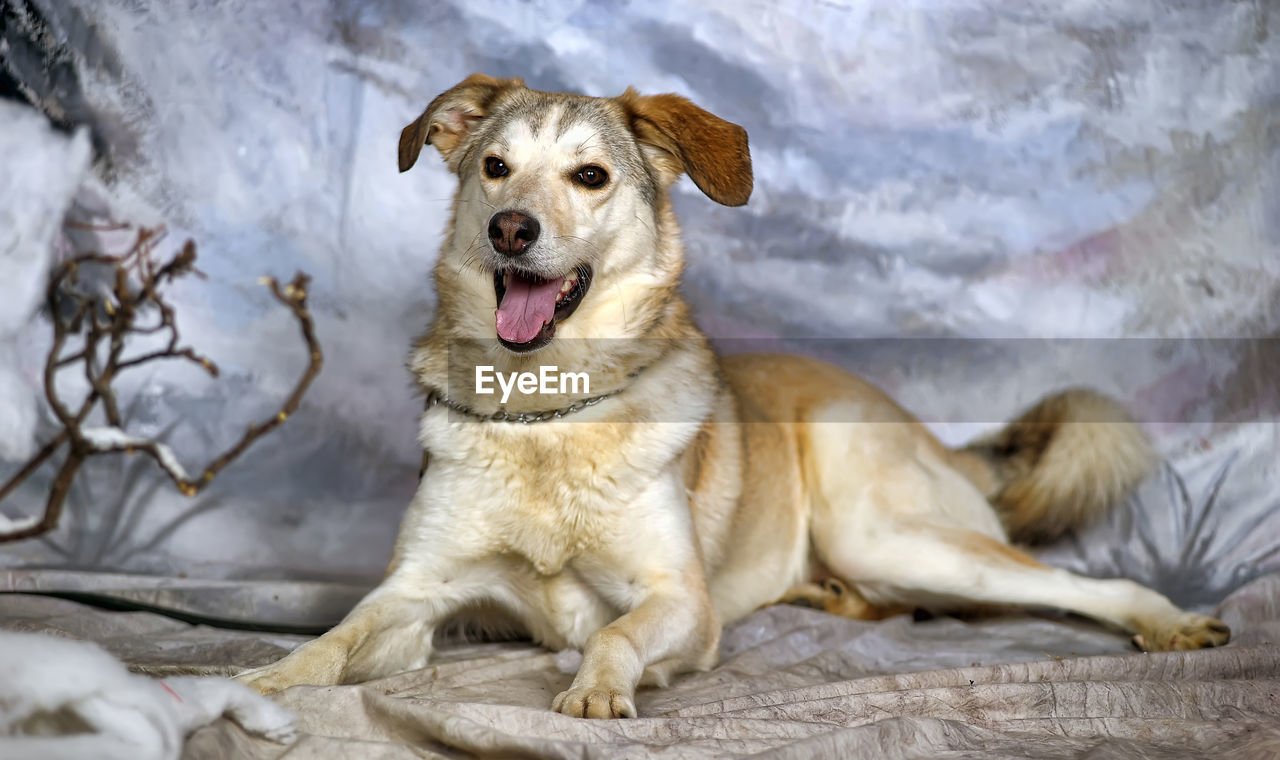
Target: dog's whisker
x=478 y=200
x=648 y=225
x=622 y=303
x=472 y=253
x=594 y=249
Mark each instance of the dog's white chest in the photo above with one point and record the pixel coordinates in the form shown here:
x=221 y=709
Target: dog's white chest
x=535 y=494
x=548 y=540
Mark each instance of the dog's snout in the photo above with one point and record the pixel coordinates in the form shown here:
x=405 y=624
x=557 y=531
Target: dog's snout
x=512 y=232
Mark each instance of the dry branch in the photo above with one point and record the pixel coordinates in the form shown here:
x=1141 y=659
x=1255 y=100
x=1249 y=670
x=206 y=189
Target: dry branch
x=106 y=317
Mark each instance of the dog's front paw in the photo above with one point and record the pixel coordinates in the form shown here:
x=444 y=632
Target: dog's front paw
x=595 y=702
x=1185 y=631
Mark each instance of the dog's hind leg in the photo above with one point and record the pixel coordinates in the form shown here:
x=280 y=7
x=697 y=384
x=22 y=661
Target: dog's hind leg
x=892 y=518
x=950 y=568
x=916 y=557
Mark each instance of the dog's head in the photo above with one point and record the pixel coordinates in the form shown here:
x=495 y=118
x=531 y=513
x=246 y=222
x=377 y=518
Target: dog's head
x=558 y=192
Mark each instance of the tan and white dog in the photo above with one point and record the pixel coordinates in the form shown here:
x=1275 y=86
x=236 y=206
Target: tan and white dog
x=683 y=490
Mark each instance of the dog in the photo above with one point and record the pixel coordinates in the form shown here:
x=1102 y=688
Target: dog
x=684 y=490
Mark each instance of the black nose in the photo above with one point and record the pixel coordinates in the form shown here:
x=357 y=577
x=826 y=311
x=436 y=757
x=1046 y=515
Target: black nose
x=511 y=232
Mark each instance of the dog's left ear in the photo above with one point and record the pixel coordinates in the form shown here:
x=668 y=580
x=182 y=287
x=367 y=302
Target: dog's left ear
x=450 y=117
x=712 y=151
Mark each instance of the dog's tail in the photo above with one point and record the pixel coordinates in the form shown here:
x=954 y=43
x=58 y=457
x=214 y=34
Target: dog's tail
x=1062 y=463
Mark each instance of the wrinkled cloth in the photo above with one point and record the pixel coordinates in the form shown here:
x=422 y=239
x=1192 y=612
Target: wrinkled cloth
x=792 y=683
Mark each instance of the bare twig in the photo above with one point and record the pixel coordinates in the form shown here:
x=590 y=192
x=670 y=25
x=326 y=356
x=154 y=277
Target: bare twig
x=106 y=318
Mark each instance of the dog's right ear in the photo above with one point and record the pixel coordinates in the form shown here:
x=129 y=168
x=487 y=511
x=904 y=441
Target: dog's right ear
x=450 y=117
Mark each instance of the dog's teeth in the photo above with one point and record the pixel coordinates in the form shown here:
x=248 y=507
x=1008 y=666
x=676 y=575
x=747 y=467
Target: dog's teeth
x=566 y=286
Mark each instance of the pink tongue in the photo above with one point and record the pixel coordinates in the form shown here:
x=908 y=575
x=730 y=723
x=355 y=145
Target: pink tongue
x=526 y=307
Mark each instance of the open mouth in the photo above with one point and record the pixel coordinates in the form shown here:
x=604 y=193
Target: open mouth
x=530 y=306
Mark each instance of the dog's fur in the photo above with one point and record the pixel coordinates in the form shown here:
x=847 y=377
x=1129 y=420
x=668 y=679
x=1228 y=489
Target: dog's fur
x=704 y=487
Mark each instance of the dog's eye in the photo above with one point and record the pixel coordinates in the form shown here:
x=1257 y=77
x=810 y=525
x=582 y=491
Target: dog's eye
x=494 y=168
x=591 y=176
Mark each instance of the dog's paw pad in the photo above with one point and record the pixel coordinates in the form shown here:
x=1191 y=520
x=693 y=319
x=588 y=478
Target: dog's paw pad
x=595 y=702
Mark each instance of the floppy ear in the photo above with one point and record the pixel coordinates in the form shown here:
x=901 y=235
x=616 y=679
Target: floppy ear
x=451 y=116
x=712 y=151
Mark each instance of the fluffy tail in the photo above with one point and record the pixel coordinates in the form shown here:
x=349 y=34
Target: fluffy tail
x=1063 y=462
